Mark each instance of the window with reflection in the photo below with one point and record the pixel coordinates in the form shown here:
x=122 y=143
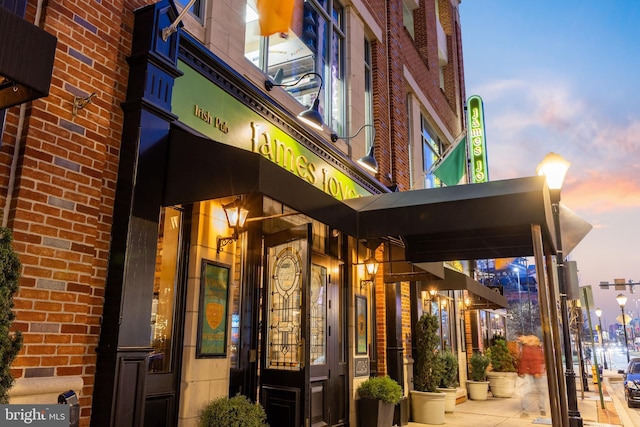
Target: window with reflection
x=313 y=44
x=431 y=152
x=318 y=307
x=164 y=285
x=368 y=92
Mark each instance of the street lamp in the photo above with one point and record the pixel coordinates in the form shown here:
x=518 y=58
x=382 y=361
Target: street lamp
x=604 y=356
x=554 y=168
x=622 y=300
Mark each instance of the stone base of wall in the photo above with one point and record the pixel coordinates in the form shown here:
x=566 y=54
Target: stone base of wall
x=43 y=390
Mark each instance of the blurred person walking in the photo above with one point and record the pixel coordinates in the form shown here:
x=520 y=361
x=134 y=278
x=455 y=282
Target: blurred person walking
x=531 y=371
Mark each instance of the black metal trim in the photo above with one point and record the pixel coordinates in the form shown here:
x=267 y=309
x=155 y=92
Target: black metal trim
x=26 y=60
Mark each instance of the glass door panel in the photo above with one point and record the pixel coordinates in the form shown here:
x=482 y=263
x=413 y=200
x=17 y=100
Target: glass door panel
x=318 y=307
x=163 y=303
x=284 y=308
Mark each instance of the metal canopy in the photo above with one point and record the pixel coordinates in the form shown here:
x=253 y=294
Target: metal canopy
x=475 y=221
x=26 y=60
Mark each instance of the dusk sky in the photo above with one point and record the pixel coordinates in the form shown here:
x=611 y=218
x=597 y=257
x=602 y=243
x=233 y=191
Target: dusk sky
x=564 y=76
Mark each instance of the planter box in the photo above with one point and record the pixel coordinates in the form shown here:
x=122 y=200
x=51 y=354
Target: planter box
x=375 y=413
x=401 y=413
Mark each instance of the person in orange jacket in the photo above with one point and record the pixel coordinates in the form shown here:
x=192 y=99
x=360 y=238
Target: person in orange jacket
x=532 y=369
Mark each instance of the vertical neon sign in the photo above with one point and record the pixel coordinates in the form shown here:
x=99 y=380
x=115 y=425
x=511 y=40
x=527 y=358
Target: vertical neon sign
x=477 y=139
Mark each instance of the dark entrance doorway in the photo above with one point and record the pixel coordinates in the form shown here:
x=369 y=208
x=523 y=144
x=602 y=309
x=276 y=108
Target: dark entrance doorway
x=303 y=363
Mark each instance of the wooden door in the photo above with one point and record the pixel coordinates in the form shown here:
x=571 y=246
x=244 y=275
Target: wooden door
x=327 y=361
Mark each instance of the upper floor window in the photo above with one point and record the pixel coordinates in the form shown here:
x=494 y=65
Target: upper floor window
x=196 y=10
x=16 y=6
x=431 y=151
x=313 y=44
x=408 y=6
x=368 y=92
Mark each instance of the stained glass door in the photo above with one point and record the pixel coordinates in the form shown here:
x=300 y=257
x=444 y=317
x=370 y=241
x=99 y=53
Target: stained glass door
x=285 y=334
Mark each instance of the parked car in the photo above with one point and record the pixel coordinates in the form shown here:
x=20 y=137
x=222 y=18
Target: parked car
x=632 y=383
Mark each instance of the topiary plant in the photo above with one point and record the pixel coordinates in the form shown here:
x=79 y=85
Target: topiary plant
x=428 y=369
x=381 y=388
x=237 y=411
x=450 y=369
x=10 y=342
x=501 y=358
x=479 y=364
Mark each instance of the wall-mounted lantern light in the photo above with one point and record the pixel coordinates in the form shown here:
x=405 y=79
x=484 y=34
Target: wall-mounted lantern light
x=236 y=216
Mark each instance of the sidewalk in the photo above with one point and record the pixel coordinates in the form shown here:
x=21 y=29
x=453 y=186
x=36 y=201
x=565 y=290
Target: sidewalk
x=508 y=413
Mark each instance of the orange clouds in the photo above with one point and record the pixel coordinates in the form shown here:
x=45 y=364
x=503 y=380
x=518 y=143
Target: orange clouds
x=598 y=192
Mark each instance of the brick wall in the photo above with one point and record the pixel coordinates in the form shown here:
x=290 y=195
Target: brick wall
x=61 y=208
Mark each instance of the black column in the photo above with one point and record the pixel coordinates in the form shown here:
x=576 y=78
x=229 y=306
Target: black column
x=124 y=345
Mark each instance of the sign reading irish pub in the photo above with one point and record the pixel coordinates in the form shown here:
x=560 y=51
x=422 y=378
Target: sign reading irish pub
x=210 y=110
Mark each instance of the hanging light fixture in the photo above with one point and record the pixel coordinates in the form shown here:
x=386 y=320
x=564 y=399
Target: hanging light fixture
x=311 y=116
x=369 y=161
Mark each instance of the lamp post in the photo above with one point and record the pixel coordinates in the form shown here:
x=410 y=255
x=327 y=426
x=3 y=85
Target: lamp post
x=622 y=300
x=604 y=356
x=554 y=168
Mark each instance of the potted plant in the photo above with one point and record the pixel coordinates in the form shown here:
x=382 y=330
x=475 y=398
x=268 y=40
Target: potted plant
x=237 y=411
x=427 y=403
x=503 y=374
x=449 y=381
x=378 y=397
x=10 y=342
x=478 y=386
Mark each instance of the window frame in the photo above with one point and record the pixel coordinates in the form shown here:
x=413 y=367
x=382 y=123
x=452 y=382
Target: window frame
x=327 y=60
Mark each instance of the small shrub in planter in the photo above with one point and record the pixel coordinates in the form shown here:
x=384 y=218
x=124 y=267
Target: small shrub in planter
x=428 y=369
x=478 y=386
x=381 y=388
x=449 y=362
x=237 y=411
x=378 y=397
x=504 y=366
x=427 y=402
x=479 y=364
x=502 y=360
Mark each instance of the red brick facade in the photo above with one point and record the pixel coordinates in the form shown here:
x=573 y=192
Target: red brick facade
x=60 y=206
x=63 y=195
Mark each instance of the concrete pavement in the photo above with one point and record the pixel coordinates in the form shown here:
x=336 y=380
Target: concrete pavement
x=508 y=413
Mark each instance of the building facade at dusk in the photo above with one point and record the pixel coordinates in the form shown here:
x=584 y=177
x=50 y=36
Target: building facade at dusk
x=140 y=293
